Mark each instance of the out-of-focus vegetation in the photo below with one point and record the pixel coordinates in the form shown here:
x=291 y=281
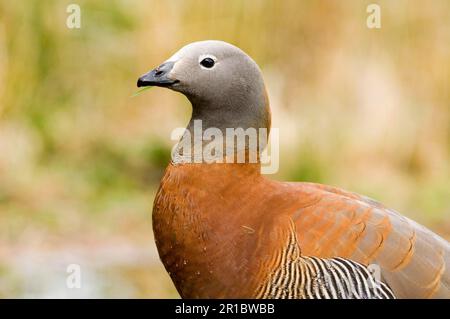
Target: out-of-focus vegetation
x=365 y=109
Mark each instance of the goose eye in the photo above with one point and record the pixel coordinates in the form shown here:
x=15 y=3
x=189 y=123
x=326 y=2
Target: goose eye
x=207 y=63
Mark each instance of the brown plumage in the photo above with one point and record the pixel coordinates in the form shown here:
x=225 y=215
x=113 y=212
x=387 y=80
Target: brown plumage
x=224 y=230
x=218 y=235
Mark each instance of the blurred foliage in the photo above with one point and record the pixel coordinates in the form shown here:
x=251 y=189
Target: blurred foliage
x=366 y=110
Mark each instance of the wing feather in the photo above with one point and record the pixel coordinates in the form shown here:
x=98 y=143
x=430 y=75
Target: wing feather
x=414 y=261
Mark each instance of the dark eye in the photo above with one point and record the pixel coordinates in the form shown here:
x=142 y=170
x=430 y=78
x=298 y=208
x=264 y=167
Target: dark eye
x=207 y=63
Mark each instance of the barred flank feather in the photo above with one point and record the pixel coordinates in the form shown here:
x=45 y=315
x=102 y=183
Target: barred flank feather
x=301 y=277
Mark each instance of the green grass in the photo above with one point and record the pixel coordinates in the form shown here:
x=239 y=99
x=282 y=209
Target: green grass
x=141 y=90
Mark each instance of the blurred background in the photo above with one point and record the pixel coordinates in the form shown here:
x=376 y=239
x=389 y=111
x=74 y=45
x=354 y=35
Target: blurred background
x=367 y=110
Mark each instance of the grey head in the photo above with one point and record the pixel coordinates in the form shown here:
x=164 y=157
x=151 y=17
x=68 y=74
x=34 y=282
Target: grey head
x=223 y=84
